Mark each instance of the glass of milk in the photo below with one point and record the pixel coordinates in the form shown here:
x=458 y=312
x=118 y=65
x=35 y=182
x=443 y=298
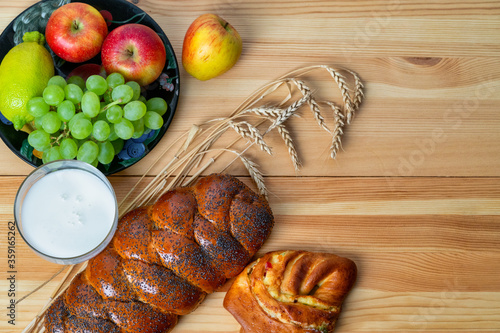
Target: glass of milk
x=66 y=211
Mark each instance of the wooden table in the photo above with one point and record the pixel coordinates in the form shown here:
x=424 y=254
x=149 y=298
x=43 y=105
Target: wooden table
x=413 y=198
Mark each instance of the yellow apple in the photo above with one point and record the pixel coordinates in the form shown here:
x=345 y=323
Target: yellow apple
x=211 y=47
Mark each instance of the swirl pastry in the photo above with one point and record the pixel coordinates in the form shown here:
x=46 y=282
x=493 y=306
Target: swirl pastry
x=164 y=259
x=291 y=291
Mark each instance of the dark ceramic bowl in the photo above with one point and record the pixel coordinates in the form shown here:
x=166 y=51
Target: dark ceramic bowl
x=166 y=86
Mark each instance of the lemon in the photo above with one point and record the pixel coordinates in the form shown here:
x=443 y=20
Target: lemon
x=24 y=73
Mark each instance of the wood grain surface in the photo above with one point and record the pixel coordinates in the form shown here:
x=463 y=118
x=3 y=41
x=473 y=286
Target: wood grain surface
x=413 y=198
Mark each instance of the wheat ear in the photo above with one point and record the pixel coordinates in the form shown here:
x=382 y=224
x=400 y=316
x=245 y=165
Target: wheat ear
x=344 y=90
x=338 y=130
x=287 y=138
x=255 y=174
x=313 y=105
x=358 y=90
x=248 y=131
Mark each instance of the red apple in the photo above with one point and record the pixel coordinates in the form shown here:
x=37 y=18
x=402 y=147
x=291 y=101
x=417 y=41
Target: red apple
x=76 y=31
x=86 y=70
x=211 y=47
x=136 y=51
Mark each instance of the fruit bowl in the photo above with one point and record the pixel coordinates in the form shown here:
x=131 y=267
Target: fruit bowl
x=166 y=86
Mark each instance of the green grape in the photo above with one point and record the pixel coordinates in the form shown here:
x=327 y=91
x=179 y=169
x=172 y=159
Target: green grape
x=79 y=143
x=77 y=80
x=53 y=95
x=91 y=105
x=66 y=110
x=51 y=122
x=38 y=122
x=95 y=163
x=153 y=120
x=158 y=105
x=88 y=152
x=97 y=84
x=142 y=99
x=122 y=93
x=73 y=93
x=107 y=97
x=138 y=128
x=114 y=80
x=68 y=149
x=39 y=139
x=44 y=157
x=136 y=88
x=53 y=154
x=78 y=115
x=101 y=116
x=114 y=114
x=138 y=124
x=101 y=130
x=134 y=110
x=124 y=129
x=118 y=145
x=106 y=152
x=112 y=134
x=137 y=134
x=37 y=107
x=80 y=128
x=58 y=81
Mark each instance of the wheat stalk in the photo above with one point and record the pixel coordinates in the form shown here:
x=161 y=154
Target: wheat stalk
x=263 y=111
x=338 y=130
x=344 y=90
x=313 y=105
x=289 y=111
x=358 y=90
x=248 y=131
x=255 y=174
x=285 y=135
x=196 y=153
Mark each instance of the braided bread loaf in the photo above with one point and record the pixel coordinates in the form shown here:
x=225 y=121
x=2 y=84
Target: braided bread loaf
x=165 y=258
x=291 y=291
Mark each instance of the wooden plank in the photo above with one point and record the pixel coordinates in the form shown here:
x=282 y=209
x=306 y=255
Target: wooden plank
x=421 y=84
x=422 y=271
x=434 y=133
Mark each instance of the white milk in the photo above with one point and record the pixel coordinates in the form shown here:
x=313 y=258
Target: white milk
x=67 y=213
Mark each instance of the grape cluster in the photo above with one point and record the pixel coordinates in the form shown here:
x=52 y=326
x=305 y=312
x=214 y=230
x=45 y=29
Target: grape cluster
x=90 y=120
